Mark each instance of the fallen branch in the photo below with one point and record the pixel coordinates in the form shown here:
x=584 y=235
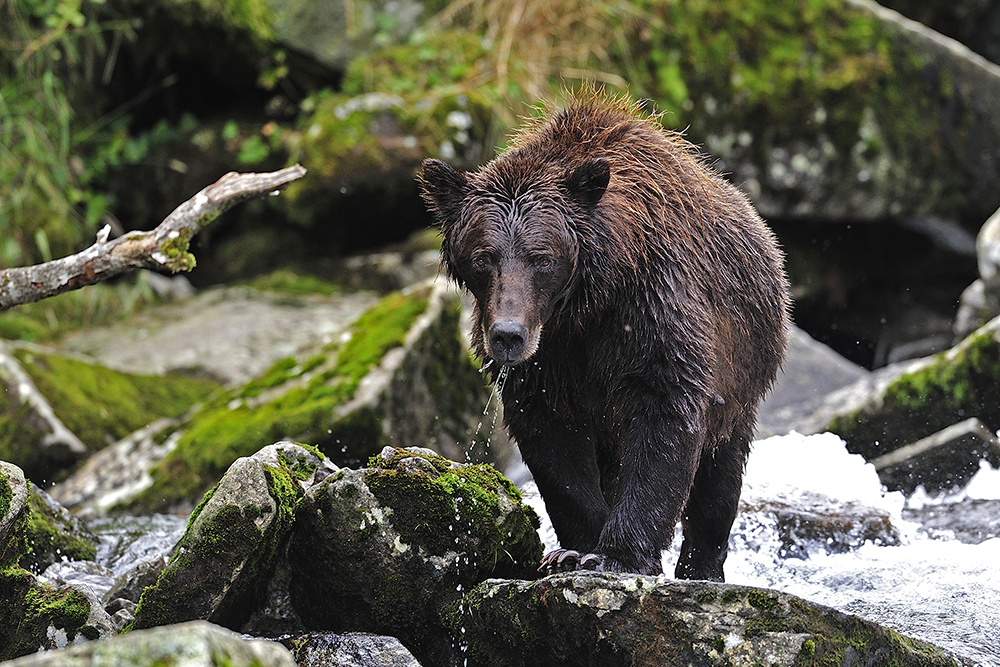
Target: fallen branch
x=165 y=247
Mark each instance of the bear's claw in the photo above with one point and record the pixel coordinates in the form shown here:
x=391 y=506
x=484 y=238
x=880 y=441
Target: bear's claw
x=570 y=560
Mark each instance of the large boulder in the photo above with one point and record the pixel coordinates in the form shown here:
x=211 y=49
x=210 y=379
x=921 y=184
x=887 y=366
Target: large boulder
x=392 y=548
x=221 y=567
x=835 y=134
x=909 y=403
x=622 y=619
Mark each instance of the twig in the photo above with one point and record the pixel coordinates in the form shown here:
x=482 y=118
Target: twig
x=165 y=247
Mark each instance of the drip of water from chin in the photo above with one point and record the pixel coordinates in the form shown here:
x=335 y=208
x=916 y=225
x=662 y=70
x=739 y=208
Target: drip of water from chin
x=495 y=393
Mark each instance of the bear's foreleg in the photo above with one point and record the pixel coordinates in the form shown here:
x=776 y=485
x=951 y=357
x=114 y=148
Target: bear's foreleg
x=659 y=457
x=564 y=465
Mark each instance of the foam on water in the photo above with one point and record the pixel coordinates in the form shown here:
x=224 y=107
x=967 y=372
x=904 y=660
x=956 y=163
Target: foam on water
x=936 y=589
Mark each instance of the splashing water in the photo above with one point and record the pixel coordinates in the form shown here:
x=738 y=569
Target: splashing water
x=930 y=586
x=496 y=392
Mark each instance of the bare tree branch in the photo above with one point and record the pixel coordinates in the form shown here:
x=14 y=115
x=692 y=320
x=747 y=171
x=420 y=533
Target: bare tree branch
x=165 y=247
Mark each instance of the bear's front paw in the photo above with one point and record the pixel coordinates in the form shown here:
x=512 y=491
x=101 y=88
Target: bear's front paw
x=569 y=560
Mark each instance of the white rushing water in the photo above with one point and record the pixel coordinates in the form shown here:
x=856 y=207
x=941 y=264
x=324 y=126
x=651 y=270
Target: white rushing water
x=933 y=588
x=930 y=587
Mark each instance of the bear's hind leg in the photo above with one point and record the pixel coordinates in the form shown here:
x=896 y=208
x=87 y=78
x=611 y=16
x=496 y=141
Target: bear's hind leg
x=711 y=509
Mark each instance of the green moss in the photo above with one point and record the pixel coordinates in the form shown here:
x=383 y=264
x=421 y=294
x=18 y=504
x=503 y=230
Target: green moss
x=719 y=644
x=175 y=249
x=28 y=608
x=705 y=597
x=101 y=405
x=761 y=600
x=50 y=539
x=961 y=383
x=808 y=648
x=6 y=496
x=289 y=282
x=16 y=544
x=432 y=511
x=230 y=427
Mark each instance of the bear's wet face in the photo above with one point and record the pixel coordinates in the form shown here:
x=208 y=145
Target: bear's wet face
x=514 y=247
x=517 y=261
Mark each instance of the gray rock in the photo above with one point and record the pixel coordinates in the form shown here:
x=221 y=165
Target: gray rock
x=334 y=33
x=811 y=372
x=194 y=644
x=620 y=619
x=391 y=550
x=228 y=553
x=55 y=534
x=351 y=649
x=231 y=333
x=13 y=500
x=980 y=302
x=941 y=461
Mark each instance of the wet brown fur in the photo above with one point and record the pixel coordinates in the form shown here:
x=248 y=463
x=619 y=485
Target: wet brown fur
x=659 y=321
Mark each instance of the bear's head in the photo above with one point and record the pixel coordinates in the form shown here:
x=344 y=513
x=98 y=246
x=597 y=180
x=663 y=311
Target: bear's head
x=512 y=237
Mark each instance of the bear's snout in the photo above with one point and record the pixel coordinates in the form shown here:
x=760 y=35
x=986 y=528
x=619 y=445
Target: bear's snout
x=507 y=341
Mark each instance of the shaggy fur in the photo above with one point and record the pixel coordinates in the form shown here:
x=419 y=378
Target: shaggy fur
x=641 y=307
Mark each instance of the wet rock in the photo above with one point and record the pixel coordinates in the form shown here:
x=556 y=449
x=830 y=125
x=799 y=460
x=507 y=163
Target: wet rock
x=392 y=548
x=942 y=461
x=351 y=649
x=904 y=404
x=820 y=527
x=619 y=619
x=971 y=521
x=197 y=644
x=54 y=534
x=13 y=514
x=227 y=555
x=37 y=616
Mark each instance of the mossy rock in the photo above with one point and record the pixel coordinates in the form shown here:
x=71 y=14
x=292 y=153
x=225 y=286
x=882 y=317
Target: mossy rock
x=221 y=566
x=619 y=619
x=948 y=388
x=390 y=549
x=54 y=534
x=32 y=614
x=824 y=109
x=96 y=404
x=350 y=398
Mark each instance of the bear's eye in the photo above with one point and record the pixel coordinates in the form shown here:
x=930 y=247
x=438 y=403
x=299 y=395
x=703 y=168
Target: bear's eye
x=542 y=262
x=481 y=261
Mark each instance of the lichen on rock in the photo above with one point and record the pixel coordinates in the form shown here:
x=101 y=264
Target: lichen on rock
x=620 y=619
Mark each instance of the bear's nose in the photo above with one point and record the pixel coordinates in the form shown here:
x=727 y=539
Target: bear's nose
x=507 y=341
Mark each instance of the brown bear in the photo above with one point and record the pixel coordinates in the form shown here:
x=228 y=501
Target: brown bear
x=639 y=306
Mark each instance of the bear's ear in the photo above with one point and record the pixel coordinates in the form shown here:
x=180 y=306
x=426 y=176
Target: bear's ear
x=587 y=183
x=443 y=189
